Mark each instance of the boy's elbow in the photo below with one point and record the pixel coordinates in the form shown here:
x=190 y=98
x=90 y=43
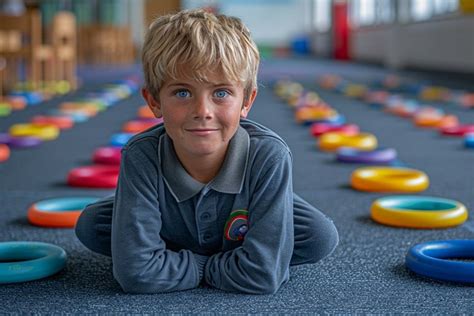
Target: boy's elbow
x=266 y=283
x=131 y=283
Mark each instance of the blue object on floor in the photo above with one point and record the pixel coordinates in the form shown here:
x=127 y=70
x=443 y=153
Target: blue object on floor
x=435 y=259
x=120 y=139
x=469 y=141
x=22 y=261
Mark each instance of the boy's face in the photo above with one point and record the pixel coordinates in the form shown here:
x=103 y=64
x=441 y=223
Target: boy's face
x=201 y=117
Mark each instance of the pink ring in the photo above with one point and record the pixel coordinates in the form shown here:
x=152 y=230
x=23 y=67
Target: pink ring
x=318 y=129
x=107 y=155
x=95 y=176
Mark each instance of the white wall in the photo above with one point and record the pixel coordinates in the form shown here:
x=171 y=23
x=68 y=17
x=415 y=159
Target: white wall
x=271 y=22
x=442 y=44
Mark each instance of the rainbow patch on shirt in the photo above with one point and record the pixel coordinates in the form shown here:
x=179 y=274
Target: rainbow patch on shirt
x=236 y=225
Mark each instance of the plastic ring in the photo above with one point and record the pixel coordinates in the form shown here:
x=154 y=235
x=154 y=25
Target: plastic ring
x=62 y=122
x=469 y=140
x=144 y=112
x=318 y=129
x=4 y=152
x=459 y=130
x=5 y=109
x=96 y=176
x=436 y=120
x=333 y=141
x=376 y=156
x=139 y=126
x=389 y=179
x=120 y=139
x=60 y=212
x=432 y=259
x=22 y=261
x=16 y=102
x=46 y=132
x=107 y=155
x=418 y=212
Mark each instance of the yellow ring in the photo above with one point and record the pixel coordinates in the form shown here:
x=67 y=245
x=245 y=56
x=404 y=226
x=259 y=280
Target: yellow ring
x=44 y=132
x=333 y=141
x=389 y=179
x=418 y=212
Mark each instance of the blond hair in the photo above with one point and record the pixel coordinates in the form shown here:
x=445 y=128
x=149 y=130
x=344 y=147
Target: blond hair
x=193 y=43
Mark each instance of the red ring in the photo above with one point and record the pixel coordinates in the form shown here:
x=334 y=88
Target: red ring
x=458 y=130
x=4 y=152
x=95 y=176
x=107 y=155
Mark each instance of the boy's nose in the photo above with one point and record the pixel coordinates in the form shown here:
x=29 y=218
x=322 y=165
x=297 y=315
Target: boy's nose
x=202 y=109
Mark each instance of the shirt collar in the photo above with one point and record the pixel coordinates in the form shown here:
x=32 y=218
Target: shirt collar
x=230 y=178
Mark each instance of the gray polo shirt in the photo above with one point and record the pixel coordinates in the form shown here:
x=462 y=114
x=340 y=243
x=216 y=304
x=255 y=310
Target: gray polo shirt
x=171 y=232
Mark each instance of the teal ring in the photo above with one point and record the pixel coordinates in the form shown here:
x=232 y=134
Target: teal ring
x=64 y=204
x=22 y=261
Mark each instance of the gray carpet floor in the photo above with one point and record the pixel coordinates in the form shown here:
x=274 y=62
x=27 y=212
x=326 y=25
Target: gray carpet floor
x=366 y=272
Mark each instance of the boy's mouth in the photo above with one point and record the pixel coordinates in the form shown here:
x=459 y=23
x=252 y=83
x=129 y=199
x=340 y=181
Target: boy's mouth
x=201 y=131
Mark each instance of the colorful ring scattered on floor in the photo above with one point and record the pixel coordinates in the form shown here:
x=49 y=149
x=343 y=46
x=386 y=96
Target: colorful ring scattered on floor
x=418 y=212
x=144 y=112
x=433 y=259
x=333 y=141
x=62 y=122
x=95 y=176
x=459 y=130
x=19 y=142
x=318 y=129
x=4 y=152
x=469 y=140
x=376 y=156
x=22 y=261
x=5 y=109
x=107 y=155
x=120 y=139
x=44 y=132
x=389 y=179
x=138 y=126
x=59 y=212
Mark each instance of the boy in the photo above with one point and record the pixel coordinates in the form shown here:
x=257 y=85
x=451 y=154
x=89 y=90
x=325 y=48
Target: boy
x=206 y=196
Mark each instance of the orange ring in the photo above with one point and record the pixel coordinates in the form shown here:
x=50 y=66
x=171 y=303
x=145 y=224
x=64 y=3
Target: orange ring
x=62 y=212
x=145 y=112
x=4 y=152
x=138 y=126
x=63 y=122
x=436 y=120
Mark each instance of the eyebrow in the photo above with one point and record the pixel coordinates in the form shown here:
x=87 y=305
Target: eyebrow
x=222 y=84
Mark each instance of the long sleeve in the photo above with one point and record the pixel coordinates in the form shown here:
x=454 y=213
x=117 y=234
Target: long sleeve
x=141 y=262
x=261 y=264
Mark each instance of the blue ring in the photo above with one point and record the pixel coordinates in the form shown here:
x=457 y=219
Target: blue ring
x=431 y=259
x=29 y=261
x=120 y=139
x=64 y=204
x=337 y=120
x=469 y=141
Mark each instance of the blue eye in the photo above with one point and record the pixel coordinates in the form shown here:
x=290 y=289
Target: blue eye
x=182 y=94
x=221 y=94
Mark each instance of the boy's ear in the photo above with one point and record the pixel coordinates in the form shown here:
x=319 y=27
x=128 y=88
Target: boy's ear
x=154 y=105
x=248 y=104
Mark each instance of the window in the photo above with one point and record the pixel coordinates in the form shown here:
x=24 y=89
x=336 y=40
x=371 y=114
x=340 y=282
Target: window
x=322 y=15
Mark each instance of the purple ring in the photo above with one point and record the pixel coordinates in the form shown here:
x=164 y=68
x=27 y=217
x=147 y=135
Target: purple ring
x=379 y=155
x=19 y=142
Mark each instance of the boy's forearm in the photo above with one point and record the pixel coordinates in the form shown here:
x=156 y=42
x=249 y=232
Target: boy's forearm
x=261 y=264
x=141 y=262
